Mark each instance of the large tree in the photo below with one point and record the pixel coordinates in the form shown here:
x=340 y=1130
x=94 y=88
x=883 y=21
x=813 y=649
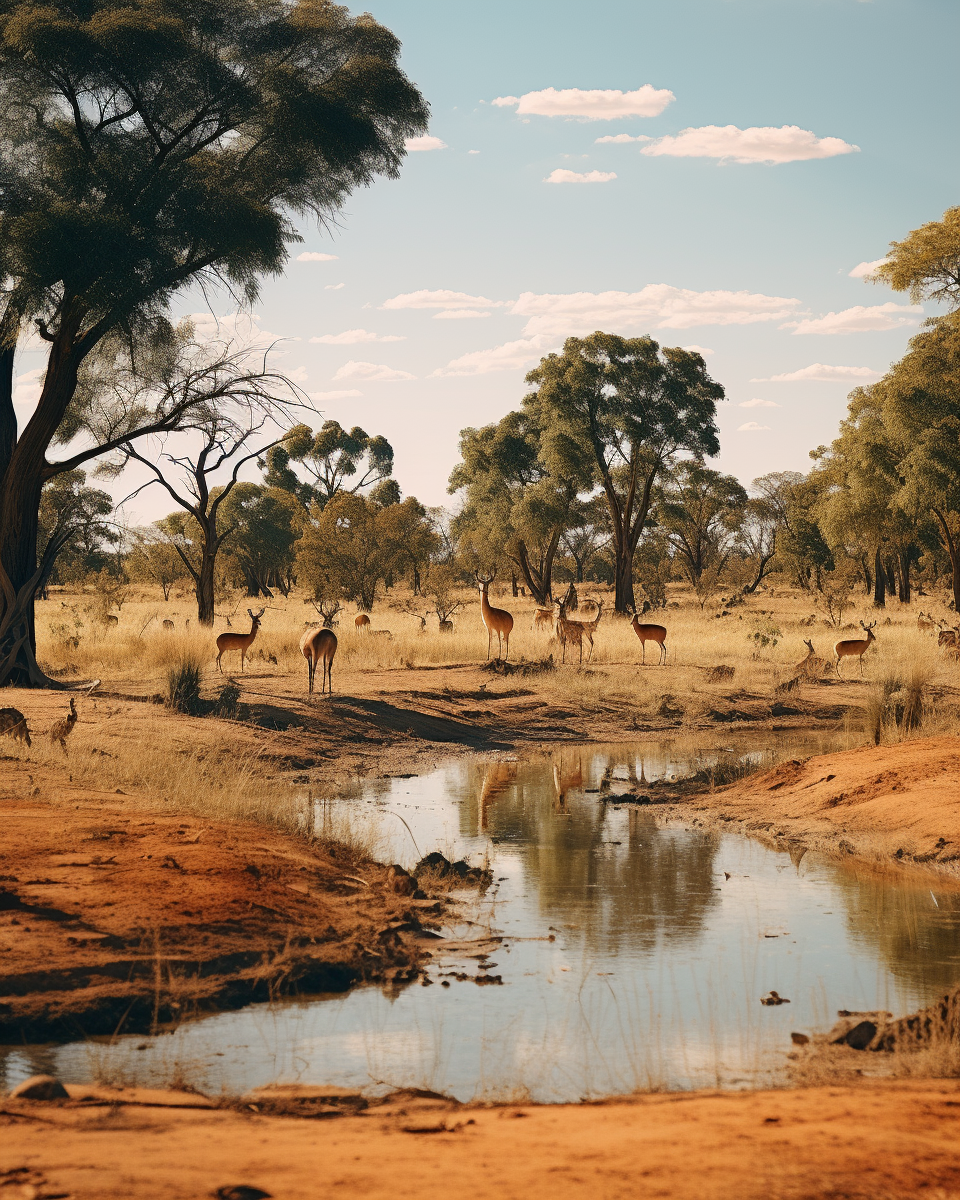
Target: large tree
x=701 y=511
x=147 y=147
x=334 y=459
x=622 y=410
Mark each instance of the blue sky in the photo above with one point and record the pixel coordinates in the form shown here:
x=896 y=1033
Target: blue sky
x=477 y=218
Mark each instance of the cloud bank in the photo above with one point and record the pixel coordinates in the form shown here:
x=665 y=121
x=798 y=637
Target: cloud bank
x=439 y=298
x=509 y=357
x=758 y=144
x=618 y=138
x=459 y=314
x=590 y=105
x=561 y=175
x=374 y=372
x=424 y=142
x=858 y=319
x=821 y=373
x=862 y=270
x=350 y=337
x=758 y=404
x=657 y=306
x=751 y=427
x=314 y=256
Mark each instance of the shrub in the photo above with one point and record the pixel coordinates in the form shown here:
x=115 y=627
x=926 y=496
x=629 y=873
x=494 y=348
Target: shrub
x=183 y=685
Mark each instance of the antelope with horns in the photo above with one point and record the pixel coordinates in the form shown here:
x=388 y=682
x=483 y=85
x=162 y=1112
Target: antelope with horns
x=813 y=666
x=319 y=646
x=855 y=647
x=650 y=633
x=239 y=641
x=576 y=631
x=497 y=620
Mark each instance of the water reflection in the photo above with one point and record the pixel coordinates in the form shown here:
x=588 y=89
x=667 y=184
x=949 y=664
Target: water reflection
x=633 y=955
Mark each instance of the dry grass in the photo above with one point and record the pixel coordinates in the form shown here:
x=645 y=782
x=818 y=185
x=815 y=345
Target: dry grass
x=762 y=641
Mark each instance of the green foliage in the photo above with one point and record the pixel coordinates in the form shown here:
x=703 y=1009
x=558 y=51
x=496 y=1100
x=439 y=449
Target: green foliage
x=154 y=560
x=265 y=524
x=76 y=518
x=765 y=634
x=336 y=460
x=700 y=511
x=927 y=262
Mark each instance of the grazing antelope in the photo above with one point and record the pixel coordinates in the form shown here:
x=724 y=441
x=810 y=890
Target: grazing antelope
x=61 y=730
x=239 y=641
x=568 y=633
x=319 y=646
x=361 y=621
x=168 y=625
x=543 y=618
x=497 y=620
x=14 y=724
x=855 y=647
x=813 y=666
x=650 y=633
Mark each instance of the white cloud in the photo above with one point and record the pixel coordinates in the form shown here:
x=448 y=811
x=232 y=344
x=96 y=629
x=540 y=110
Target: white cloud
x=28 y=386
x=298 y=375
x=858 y=319
x=701 y=350
x=862 y=270
x=821 y=373
x=439 y=298
x=511 y=356
x=758 y=404
x=593 y=105
x=657 y=306
x=345 y=394
x=313 y=256
x=751 y=427
x=333 y=287
x=459 y=314
x=375 y=372
x=561 y=175
x=424 y=142
x=473 y=151
x=350 y=337
x=759 y=144
x=618 y=138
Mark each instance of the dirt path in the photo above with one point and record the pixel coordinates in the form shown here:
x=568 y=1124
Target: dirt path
x=117 y=917
x=879 y=1142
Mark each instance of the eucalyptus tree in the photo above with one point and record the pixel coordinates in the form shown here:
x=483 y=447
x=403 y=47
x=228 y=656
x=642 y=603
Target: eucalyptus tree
x=335 y=460
x=75 y=531
x=700 y=511
x=144 y=149
x=265 y=523
x=620 y=411
x=346 y=551
x=927 y=262
x=514 y=506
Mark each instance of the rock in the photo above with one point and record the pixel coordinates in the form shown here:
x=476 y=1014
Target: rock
x=799 y=1039
x=41 y=1087
x=241 y=1191
x=401 y=881
x=774 y=998
x=438 y=865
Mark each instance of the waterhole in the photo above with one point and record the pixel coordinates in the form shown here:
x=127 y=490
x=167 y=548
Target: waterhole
x=634 y=951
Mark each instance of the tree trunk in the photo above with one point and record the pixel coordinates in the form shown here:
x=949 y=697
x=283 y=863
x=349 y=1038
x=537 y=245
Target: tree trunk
x=417 y=583
x=205 y=585
x=905 y=575
x=952 y=545
x=891 y=578
x=879 y=582
x=867 y=577
x=624 y=601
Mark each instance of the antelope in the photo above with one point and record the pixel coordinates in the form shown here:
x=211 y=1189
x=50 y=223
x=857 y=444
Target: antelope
x=948 y=637
x=855 y=647
x=497 y=620
x=168 y=625
x=568 y=632
x=650 y=633
x=361 y=621
x=319 y=645
x=14 y=724
x=813 y=665
x=543 y=618
x=61 y=730
x=590 y=627
x=925 y=622
x=239 y=641
x=446 y=626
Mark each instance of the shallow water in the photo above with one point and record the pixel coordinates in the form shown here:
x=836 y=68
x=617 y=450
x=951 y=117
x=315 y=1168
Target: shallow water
x=662 y=941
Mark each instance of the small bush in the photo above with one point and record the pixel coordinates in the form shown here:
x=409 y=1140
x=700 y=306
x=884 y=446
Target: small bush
x=227 y=703
x=183 y=686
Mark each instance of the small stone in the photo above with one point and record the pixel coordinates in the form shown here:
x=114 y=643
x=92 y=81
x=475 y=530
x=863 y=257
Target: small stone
x=41 y=1087
x=861 y=1035
x=799 y=1039
x=242 y=1192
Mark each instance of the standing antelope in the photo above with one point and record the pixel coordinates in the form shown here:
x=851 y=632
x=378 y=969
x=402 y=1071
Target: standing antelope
x=590 y=627
x=239 y=641
x=650 y=633
x=497 y=620
x=543 y=618
x=568 y=632
x=319 y=645
x=61 y=730
x=361 y=621
x=855 y=647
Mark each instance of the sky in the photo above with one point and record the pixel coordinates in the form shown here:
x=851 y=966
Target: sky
x=709 y=172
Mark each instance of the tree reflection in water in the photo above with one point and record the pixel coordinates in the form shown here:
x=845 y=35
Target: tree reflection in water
x=617 y=879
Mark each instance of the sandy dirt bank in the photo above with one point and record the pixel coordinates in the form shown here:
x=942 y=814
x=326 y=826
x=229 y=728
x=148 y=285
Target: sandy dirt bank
x=899 y=802
x=881 y=1142
x=115 y=917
